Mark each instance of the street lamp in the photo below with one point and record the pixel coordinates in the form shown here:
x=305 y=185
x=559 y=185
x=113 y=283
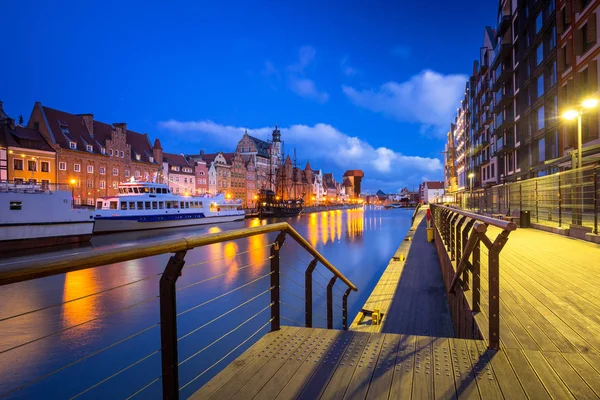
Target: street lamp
x=589 y=103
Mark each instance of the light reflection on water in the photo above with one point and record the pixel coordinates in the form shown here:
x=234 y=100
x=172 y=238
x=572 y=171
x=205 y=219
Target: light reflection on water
x=359 y=243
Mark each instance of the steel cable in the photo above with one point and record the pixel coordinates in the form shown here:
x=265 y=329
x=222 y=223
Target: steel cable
x=78 y=325
x=223 y=274
x=292 y=307
x=224 y=294
x=222 y=315
x=79 y=360
x=287 y=277
x=293 y=294
x=225 y=335
x=116 y=374
x=227 y=256
x=226 y=355
x=292 y=320
x=144 y=388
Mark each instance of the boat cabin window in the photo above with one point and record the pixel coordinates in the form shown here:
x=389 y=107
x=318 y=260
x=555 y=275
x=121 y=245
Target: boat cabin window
x=182 y=204
x=16 y=205
x=123 y=205
x=135 y=190
x=113 y=205
x=99 y=205
x=132 y=205
x=147 y=205
x=165 y=191
x=140 y=205
x=145 y=190
x=161 y=205
x=152 y=190
x=154 y=205
x=168 y=204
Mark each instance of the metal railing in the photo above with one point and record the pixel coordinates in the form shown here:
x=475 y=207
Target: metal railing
x=276 y=288
x=31 y=187
x=462 y=233
x=414 y=215
x=557 y=200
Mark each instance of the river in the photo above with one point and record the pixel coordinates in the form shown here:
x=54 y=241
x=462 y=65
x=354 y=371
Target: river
x=358 y=242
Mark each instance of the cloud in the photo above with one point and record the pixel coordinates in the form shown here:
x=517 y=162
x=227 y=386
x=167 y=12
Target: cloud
x=429 y=99
x=402 y=51
x=346 y=68
x=389 y=168
x=298 y=80
x=270 y=70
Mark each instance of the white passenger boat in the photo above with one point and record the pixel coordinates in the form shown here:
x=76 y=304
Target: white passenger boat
x=38 y=215
x=146 y=205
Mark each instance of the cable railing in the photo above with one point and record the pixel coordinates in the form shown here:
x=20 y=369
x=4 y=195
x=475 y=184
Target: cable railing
x=458 y=236
x=558 y=200
x=217 y=314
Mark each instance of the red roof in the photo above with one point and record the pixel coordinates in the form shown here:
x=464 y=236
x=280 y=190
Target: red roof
x=434 y=185
x=177 y=160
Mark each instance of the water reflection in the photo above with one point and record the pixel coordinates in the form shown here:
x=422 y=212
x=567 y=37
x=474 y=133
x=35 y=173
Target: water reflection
x=349 y=239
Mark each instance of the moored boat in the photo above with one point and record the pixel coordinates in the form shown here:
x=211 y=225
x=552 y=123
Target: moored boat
x=146 y=205
x=37 y=215
x=271 y=206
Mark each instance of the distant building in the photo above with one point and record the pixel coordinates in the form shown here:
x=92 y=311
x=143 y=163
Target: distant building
x=353 y=179
x=264 y=155
x=25 y=155
x=251 y=182
x=238 y=176
x=92 y=156
x=201 y=172
x=430 y=192
x=179 y=174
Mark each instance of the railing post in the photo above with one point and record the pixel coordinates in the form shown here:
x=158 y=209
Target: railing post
x=595 y=201
x=494 y=289
x=308 y=299
x=520 y=197
x=537 y=214
x=168 y=326
x=330 y=302
x=559 y=202
x=275 y=313
x=345 y=309
x=476 y=277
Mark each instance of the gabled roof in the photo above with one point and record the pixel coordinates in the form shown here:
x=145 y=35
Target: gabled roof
x=262 y=147
x=177 y=160
x=434 y=185
x=26 y=138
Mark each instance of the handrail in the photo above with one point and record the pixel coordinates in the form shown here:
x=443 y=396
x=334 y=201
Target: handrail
x=505 y=225
x=24 y=271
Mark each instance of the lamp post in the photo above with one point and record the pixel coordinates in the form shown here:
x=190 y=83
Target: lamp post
x=571 y=114
x=471 y=176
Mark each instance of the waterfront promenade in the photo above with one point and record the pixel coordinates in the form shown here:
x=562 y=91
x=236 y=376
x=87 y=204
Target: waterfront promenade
x=548 y=324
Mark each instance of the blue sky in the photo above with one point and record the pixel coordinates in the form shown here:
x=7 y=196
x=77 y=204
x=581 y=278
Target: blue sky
x=352 y=84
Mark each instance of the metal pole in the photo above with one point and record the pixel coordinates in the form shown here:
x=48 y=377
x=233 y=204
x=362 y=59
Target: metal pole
x=275 y=313
x=537 y=214
x=476 y=277
x=168 y=326
x=559 y=202
x=330 y=302
x=579 y=173
x=345 y=309
x=308 y=301
x=494 y=289
x=595 y=201
x=579 y=155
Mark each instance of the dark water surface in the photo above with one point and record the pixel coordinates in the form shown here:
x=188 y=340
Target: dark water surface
x=358 y=242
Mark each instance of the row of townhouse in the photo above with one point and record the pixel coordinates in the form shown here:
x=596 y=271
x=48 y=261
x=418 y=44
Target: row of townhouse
x=540 y=60
x=93 y=157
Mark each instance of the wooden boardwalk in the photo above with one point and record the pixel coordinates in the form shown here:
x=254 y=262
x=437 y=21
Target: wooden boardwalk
x=410 y=292
x=550 y=346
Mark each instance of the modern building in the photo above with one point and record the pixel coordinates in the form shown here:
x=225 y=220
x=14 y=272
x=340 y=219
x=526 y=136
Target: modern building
x=25 y=155
x=92 y=156
x=430 y=192
x=578 y=54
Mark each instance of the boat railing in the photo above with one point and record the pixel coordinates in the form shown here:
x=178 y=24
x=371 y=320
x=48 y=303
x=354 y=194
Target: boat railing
x=196 y=307
x=31 y=187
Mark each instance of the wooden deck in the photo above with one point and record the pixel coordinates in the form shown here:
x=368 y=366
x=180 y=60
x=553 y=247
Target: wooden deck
x=410 y=292
x=305 y=363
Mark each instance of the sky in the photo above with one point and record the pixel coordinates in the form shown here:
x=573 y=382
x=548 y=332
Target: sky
x=369 y=85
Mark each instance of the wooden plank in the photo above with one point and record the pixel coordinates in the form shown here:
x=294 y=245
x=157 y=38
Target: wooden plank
x=279 y=359
x=569 y=376
x=483 y=372
x=423 y=375
x=309 y=367
x=503 y=372
x=404 y=369
x=361 y=379
x=552 y=382
x=349 y=351
x=316 y=343
x=266 y=356
x=381 y=381
x=526 y=375
x=466 y=387
x=443 y=379
x=270 y=340
x=585 y=371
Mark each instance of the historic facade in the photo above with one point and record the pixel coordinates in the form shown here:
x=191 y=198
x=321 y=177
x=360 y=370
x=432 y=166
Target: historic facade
x=179 y=174
x=92 y=156
x=201 y=172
